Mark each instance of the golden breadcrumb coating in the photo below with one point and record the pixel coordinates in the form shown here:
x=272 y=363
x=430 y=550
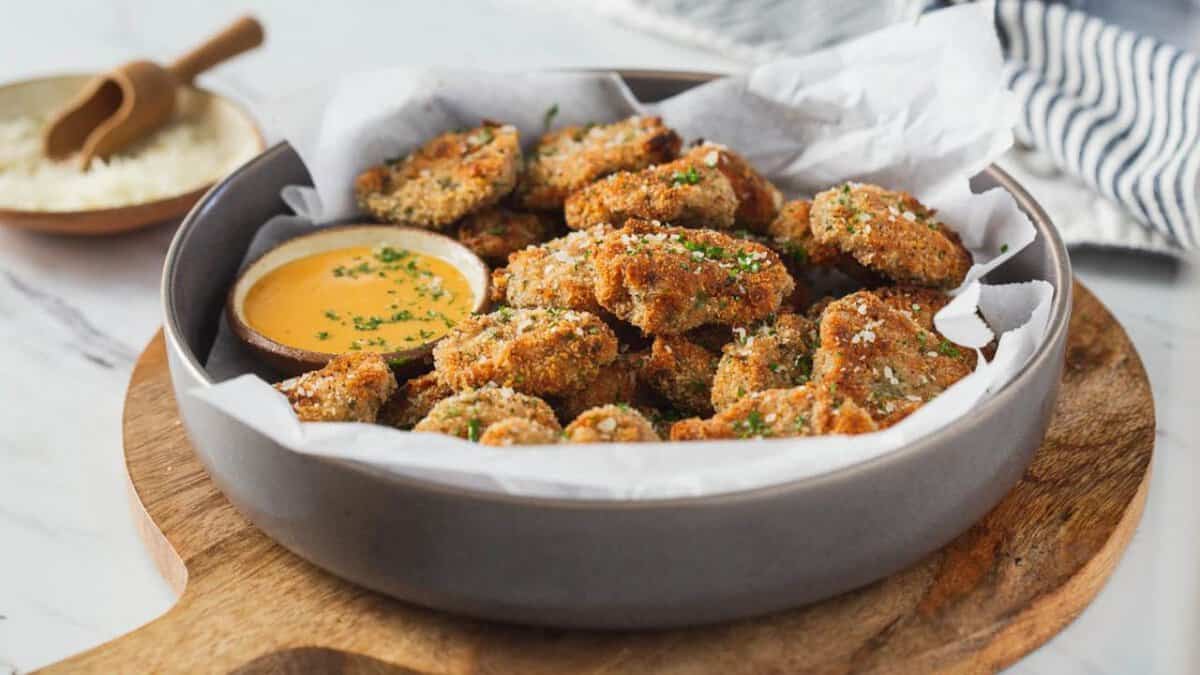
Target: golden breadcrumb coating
x=882 y=359
x=685 y=192
x=774 y=354
x=915 y=302
x=469 y=414
x=611 y=424
x=616 y=383
x=350 y=388
x=495 y=232
x=668 y=280
x=681 y=371
x=559 y=273
x=452 y=175
x=890 y=233
x=774 y=413
x=791 y=235
x=534 y=351
x=758 y=201
x=567 y=159
x=519 y=431
x=413 y=400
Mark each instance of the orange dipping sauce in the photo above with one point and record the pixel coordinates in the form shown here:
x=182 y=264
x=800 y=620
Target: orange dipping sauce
x=383 y=299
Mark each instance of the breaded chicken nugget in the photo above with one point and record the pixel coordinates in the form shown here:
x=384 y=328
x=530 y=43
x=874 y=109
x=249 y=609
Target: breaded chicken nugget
x=790 y=234
x=685 y=192
x=413 y=400
x=616 y=383
x=569 y=158
x=915 y=302
x=559 y=273
x=774 y=413
x=890 y=233
x=611 y=424
x=774 y=354
x=519 y=431
x=882 y=360
x=535 y=351
x=495 y=232
x=758 y=201
x=452 y=175
x=350 y=388
x=681 y=371
x=668 y=280
x=469 y=414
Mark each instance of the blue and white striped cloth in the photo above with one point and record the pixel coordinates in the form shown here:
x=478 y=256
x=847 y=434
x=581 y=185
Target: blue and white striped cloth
x=1118 y=110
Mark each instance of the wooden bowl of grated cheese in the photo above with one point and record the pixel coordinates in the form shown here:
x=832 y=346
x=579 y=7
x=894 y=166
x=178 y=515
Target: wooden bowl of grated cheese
x=157 y=179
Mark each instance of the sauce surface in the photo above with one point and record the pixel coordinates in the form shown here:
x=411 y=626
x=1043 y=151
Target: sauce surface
x=380 y=299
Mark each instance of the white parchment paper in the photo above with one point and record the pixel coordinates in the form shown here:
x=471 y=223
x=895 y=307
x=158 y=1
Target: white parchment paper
x=920 y=107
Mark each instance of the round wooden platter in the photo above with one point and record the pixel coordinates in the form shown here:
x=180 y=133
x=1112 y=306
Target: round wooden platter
x=1001 y=589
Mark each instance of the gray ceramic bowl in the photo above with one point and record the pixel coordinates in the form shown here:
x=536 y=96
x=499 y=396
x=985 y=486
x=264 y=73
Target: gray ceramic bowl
x=598 y=564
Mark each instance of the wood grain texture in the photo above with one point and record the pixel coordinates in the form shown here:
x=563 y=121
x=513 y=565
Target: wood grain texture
x=997 y=592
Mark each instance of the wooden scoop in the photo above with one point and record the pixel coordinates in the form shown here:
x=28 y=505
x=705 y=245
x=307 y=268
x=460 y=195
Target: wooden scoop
x=117 y=108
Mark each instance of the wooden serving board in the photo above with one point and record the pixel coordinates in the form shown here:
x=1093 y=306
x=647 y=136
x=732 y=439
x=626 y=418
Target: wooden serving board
x=1001 y=589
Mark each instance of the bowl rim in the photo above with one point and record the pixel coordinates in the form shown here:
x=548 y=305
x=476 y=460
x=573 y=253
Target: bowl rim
x=257 y=340
x=1060 y=312
x=185 y=200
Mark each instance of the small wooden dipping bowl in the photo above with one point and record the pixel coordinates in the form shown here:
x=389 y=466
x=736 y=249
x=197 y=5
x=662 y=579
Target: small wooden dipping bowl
x=290 y=360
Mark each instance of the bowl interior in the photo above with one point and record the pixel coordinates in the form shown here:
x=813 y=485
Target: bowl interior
x=233 y=132
x=196 y=282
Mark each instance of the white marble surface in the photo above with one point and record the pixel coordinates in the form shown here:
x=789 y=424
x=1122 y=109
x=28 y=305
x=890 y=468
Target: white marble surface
x=74 y=313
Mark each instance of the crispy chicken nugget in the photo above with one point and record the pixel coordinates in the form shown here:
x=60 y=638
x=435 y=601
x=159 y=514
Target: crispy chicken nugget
x=569 y=158
x=915 y=302
x=681 y=371
x=468 y=414
x=519 y=431
x=890 y=233
x=774 y=354
x=685 y=192
x=495 y=232
x=413 y=400
x=790 y=233
x=882 y=359
x=452 y=175
x=350 y=388
x=774 y=413
x=668 y=280
x=758 y=201
x=611 y=424
x=534 y=351
x=559 y=273
x=616 y=383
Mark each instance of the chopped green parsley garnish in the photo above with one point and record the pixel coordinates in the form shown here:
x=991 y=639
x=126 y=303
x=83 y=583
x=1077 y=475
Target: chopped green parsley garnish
x=473 y=428
x=689 y=177
x=323 y=335
x=548 y=117
x=753 y=426
x=947 y=349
